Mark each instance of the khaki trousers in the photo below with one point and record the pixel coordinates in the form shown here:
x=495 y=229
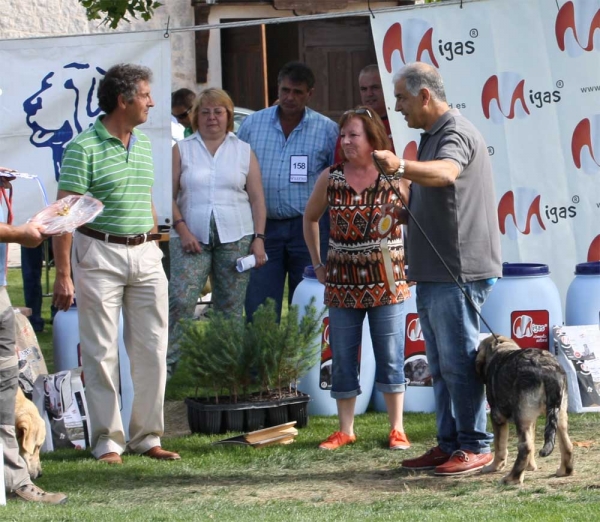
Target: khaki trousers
x=111 y=278
x=15 y=468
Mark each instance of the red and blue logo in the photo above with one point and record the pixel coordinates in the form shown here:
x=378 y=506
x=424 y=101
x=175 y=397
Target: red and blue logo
x=411 y=41
x=585 y=145
x=576 y=25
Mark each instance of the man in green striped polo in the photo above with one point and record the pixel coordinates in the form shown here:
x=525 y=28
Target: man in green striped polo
x=117 y=268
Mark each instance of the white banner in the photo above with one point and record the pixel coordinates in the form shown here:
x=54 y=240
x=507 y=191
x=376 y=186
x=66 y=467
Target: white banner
x=527 y=74
x=48 y=95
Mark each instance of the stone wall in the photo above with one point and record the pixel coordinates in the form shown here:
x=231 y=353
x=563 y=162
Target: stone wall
x=39 y=18
x=43 y=18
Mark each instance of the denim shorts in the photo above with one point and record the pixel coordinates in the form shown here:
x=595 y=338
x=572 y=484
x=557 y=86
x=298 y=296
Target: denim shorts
x=386 y=325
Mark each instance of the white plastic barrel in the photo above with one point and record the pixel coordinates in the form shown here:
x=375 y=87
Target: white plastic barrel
x=583 y=295
x=67 y=355
x=524 y=305
x=317 y=382
x=419 y=390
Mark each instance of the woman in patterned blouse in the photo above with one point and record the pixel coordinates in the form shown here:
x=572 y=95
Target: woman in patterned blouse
x=364 y=274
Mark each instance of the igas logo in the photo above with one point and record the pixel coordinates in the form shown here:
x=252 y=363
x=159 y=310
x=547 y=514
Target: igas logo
x=576 y=25
x=414 y=342
x=586 y=140
x=504 y=97
x=519 y=212
x=523 y=326
x=412 y=41
x=413 y=330
x=531 y=328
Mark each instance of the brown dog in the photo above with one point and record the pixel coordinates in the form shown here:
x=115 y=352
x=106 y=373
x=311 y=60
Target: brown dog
x=31 y=433
x=520 y=385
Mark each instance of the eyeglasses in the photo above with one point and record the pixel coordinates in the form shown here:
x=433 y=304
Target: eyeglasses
x=360 y=111
x=218 y=111
x=182 y=115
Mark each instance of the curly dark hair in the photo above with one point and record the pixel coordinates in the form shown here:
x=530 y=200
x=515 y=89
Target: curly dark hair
x=122 y=79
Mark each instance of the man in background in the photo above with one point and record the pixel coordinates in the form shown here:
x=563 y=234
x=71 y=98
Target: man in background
x=293 y=144
x=371 y=96
x=182 y=101
x=32 y=264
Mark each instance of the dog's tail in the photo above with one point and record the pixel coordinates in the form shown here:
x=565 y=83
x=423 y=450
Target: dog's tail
x=554 y=397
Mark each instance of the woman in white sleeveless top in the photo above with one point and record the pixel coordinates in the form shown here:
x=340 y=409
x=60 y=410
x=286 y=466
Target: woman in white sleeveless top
x=219 y=215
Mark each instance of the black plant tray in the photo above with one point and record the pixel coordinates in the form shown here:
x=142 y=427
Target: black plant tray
x=211 y=419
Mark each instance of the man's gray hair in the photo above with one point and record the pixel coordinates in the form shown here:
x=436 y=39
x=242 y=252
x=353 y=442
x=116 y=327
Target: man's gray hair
x=418 y=76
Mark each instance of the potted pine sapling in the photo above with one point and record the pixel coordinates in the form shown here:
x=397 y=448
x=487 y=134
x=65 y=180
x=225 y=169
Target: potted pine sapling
x=257 y=364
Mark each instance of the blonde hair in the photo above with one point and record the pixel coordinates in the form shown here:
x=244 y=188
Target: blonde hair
x=215 y=97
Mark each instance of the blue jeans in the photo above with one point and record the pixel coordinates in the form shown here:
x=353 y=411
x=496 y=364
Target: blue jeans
x=288 y=256
x=451 y=330
x=32 y=262
x=386 y=325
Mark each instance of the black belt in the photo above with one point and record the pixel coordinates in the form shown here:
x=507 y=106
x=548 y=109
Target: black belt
x=119 y=240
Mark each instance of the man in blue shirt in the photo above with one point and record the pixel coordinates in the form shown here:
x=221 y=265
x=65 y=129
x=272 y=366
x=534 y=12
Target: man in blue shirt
x=293 y=144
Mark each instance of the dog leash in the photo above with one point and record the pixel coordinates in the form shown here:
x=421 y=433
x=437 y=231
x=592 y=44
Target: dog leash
x=454 y=278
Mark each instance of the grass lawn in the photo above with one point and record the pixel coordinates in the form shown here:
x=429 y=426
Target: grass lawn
x=301 y=483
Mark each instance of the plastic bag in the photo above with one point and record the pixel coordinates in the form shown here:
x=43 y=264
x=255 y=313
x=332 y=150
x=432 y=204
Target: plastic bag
x=67 y=214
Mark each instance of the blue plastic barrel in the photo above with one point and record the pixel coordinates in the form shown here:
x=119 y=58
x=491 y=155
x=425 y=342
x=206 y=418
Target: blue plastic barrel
x=583 y=295
x=67 y=355
x=524 y=305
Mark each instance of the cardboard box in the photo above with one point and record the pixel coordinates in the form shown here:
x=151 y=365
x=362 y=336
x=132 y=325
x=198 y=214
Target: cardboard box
x=60 y=399
x=577 y=349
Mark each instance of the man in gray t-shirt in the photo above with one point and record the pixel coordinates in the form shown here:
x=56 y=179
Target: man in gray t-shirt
x=452 y=198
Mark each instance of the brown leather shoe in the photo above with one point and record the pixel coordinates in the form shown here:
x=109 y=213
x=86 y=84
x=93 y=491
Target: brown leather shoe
x=160 y=454
x=111 y=458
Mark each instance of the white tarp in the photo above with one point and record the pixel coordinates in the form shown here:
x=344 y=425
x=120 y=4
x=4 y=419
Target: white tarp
x=527 y=74
x=48 y=94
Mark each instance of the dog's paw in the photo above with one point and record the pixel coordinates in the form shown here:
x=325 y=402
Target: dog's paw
x=494 y=466
x=490 y=468
x=563 y=472
x=531 y=466
x=510 y=480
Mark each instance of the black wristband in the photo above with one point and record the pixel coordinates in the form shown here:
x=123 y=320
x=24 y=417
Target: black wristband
x=259 y=236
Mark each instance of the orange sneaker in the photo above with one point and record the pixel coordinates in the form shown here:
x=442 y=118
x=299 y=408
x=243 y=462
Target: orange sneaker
x=337 y=440
x=398 y=440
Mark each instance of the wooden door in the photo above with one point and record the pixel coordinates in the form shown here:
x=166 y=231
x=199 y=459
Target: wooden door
x=243 y=62
x=336 y=50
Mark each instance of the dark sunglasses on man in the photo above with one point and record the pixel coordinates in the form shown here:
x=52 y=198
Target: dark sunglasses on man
x=182 y=115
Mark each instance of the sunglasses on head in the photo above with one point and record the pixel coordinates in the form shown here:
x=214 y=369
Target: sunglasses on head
x=182 y=115
x=360 y=111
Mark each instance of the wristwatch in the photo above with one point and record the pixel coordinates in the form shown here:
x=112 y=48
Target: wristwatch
x=400 y=171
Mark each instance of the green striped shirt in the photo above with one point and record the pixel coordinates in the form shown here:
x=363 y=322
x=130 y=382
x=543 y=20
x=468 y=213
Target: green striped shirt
x=98 y=164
